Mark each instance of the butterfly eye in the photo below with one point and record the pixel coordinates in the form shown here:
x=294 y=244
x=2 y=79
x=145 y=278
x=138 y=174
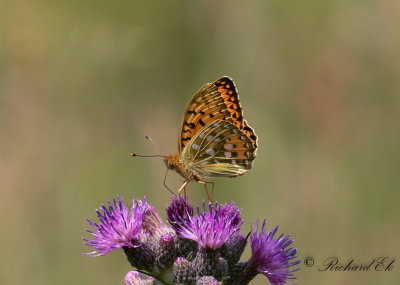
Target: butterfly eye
x=169 y=162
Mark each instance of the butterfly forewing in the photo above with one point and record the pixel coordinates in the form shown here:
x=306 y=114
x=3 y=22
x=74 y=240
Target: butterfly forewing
x=229 y=93
x=206 y=106
x=220 y=149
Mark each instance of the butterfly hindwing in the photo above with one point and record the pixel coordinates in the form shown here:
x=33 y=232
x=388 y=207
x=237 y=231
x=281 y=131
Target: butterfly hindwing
x=220 y=149
x=250 y=133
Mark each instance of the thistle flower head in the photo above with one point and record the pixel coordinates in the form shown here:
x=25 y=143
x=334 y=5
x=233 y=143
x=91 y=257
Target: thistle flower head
x=153 y=225
x=136 y=278
x=270 y=255
x=231 y=212
x=200 y=248
x=118 y=226
x=212 y=228
x=179 y=211
x=207 y=280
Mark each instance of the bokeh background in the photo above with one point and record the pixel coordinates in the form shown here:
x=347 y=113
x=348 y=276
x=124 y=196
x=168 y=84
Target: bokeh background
x=82 y=83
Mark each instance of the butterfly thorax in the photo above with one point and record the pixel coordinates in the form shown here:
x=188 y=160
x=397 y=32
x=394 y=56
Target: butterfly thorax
x=174 y=163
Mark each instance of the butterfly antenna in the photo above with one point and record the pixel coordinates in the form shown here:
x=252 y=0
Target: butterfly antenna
x=165 y=184
x=155 y=155
x=152 y=141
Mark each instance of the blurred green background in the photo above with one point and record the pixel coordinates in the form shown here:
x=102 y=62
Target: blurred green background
x=82 y=83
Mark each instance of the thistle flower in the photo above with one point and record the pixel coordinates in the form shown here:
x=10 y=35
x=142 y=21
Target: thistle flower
x=204 y=248
x=153 y=224
x=212 y=228
x=231 y=213
x=179 y=211
x=270 y=256
x=183 y=271
x=136 y=278
x=234 y=248
x=118 y=227
x=207 y=280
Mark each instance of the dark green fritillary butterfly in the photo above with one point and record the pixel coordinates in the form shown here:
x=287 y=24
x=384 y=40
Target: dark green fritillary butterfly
x=214 y=139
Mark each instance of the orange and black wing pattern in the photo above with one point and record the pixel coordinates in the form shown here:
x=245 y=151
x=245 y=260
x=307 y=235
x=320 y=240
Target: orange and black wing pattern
x=218 y=101
x=206 y=106
x=228 y=91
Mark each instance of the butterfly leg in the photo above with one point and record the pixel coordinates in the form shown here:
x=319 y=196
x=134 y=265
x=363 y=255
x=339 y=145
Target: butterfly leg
x=212 y=191
x=182 y=187
x=165 y=184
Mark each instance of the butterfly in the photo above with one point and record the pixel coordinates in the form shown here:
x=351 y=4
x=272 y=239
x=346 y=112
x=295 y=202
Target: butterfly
x=214 y=139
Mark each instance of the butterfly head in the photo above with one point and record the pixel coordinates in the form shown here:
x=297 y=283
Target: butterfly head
x=171 y=161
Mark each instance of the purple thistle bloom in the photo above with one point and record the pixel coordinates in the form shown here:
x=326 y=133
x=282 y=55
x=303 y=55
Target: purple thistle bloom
x=153 y=225
x=179 y=211
x=271 y=257
x=207 y=280
x=136 y=278
x=118 y=227
x=213 y=228
x=231 y=212
x=202 y=248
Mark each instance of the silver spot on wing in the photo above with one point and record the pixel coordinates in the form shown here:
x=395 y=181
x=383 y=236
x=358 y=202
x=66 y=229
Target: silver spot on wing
x=228 y=146
x=210 y=151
